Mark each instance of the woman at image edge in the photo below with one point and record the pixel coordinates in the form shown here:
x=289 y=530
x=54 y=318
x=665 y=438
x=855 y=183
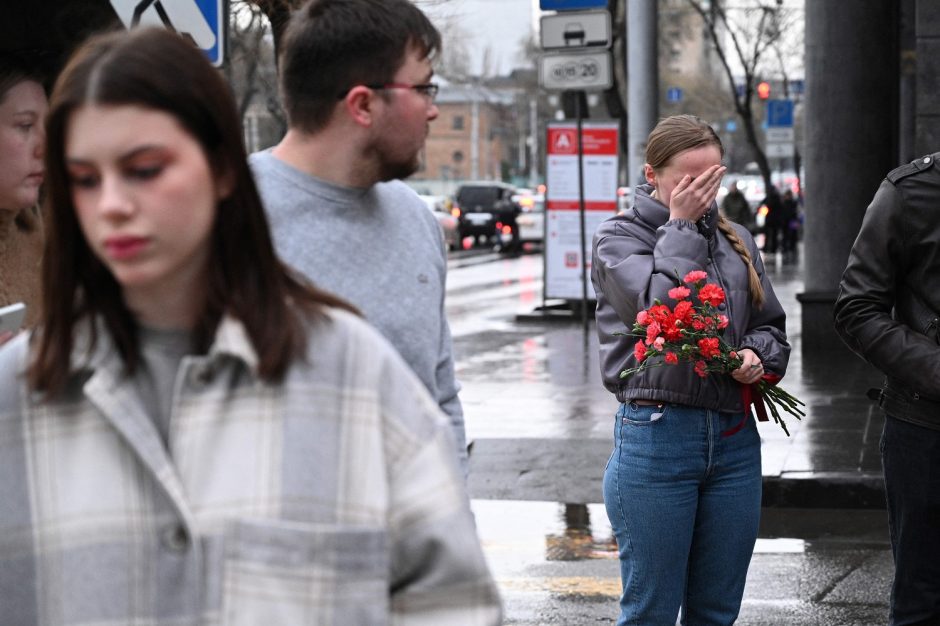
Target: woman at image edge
x=22 y=109
x=683 y=485
x=200 y=437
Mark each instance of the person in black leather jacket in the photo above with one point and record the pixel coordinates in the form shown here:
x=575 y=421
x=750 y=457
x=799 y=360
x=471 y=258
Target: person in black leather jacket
x=887 y=312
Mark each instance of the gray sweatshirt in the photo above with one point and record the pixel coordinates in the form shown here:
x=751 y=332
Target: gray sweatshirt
x=380 y=249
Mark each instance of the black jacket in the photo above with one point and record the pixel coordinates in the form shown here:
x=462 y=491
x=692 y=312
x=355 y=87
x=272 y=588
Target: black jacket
x=889 y=298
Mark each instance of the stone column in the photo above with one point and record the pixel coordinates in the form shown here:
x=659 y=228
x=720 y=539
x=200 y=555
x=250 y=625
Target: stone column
x=850 y=140
x=927 y=59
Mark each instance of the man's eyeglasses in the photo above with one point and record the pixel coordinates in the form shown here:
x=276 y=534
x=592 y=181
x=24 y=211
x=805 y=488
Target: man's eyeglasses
x=428 y=90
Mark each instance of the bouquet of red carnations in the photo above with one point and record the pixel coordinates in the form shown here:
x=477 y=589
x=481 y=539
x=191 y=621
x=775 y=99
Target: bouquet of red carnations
x=692 y=333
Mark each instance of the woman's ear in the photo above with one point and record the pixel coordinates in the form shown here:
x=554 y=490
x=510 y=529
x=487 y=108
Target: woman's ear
x=649 y=173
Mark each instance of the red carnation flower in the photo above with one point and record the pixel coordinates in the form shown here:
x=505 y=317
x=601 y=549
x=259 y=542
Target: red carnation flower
x=709 y=347
x=679 y=293
x=711 y=294
x=700 y=369
x=643 y=318
x=695 y=276
x=671 y=358
x=683 y=311
x=639 y=351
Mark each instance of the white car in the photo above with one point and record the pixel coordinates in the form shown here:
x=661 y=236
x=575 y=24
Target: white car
x=531 y=218
x=448 y=223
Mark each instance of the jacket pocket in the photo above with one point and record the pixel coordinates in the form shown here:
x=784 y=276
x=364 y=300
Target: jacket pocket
x=283 y=573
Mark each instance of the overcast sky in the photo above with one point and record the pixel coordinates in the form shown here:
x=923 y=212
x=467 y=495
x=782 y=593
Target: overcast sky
x=498 y=24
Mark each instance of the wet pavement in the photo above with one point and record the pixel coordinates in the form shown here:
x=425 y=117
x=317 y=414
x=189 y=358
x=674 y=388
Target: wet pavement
x=541 y=429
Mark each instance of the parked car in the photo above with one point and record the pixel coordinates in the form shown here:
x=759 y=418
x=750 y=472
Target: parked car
x=531 y=219
x=487 y=213
x=448 y=223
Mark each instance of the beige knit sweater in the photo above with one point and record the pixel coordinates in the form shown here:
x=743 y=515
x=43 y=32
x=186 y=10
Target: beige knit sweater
x=21 y=239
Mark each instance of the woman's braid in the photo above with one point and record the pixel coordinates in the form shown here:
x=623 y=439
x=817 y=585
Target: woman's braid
x=753 y=280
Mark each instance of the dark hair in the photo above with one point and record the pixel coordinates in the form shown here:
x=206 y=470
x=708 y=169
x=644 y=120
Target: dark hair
x=331 y=46
x=676 y=134
x=16 y=68
x=158 y=70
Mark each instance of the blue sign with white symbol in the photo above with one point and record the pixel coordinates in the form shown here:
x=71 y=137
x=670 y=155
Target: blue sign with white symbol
x=571 y=5
x=201 y=21
x=674 y=94
x=779 y=113
x=215 y=17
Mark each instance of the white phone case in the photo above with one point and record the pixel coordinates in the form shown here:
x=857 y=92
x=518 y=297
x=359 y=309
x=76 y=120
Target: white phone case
x=11 y=317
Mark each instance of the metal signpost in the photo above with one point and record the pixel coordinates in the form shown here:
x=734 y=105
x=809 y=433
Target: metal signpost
x=582 y=63
x=204 y=22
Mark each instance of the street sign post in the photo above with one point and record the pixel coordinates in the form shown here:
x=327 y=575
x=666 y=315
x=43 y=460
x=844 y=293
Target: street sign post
x=674 y=94
x=587 y=71
x=202 y=21
x=576 y=29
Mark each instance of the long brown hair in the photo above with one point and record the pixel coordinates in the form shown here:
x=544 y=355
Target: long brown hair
x=159 y=70
x=676 y=134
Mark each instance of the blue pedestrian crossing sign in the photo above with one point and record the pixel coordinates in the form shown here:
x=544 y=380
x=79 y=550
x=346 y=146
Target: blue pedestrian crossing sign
x=571 y=5
x=201 y=21
x=779 y=113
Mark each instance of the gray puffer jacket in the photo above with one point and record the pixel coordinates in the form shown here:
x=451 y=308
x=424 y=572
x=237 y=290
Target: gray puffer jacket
x=636 y=258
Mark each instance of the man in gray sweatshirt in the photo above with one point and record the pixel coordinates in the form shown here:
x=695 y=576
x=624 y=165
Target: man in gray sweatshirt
x=356 y=84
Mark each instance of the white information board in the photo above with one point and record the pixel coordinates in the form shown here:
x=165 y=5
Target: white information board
x=563 y=263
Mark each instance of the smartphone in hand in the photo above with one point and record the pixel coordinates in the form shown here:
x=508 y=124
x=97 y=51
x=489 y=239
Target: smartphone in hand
x=11 y=317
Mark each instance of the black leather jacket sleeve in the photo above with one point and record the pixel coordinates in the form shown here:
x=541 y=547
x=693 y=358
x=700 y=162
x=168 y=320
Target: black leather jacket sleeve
x=894 y=261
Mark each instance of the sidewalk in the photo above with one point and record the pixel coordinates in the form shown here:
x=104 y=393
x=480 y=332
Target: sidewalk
x=541 y=422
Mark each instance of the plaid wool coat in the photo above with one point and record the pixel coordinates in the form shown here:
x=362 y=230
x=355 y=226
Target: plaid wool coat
x=332 y=497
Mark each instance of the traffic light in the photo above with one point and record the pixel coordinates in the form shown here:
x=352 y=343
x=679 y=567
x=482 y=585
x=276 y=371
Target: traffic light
x=763 y=90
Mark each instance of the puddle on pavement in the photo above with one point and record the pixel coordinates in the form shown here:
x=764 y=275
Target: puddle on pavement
x=539 y=532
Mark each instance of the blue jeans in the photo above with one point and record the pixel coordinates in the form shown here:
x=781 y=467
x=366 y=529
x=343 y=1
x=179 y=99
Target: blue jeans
x=910 y=455
x=684 y=504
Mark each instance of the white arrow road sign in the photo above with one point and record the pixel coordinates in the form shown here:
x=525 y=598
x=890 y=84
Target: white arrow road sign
x=182 y=16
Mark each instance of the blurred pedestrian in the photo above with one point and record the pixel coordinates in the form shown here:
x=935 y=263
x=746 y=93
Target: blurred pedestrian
x=736 y=207
x=790 y=220
x=774 y=220
x=887 y=312
x=683 y=484
x=202 y=437
x=356 y=80
x=22 y=111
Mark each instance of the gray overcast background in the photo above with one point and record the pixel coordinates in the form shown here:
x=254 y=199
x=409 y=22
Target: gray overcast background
x=498 y=24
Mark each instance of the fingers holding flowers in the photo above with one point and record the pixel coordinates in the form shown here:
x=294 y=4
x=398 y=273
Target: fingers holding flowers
x=751 y=370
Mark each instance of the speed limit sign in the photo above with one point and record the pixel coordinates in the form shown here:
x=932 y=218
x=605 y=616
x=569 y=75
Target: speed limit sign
x=584 y=71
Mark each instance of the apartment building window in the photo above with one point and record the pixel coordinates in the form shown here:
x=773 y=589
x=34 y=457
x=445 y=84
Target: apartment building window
x=457 y=122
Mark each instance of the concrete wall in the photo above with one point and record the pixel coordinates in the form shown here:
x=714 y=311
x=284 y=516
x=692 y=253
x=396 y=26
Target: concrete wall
x=851 y=138
x=927 y=58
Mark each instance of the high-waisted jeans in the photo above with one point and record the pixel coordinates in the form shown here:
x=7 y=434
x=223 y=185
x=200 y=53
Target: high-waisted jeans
x=684 y=503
